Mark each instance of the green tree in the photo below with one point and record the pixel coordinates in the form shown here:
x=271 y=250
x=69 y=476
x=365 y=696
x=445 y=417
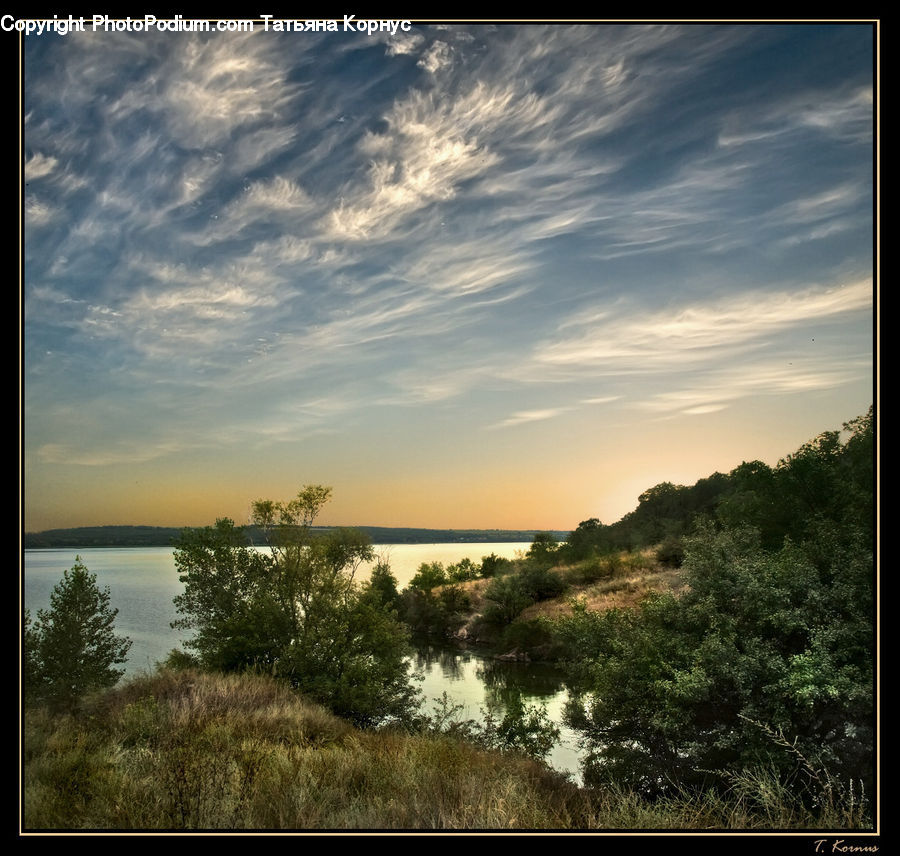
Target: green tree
x=430 y=575
x=296 y=609
x=507 y=597
x=382 y=586
x=72 y=648
x=463 y=571
x=493 y=564
x=585 y=540
x=543 y=549
x=764 y=641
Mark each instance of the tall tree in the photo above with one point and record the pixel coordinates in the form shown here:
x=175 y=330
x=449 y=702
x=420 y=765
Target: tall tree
x=72 y=647
x=295 y=610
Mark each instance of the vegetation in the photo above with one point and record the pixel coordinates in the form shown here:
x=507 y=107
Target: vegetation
x=296 y=611
x=768 y=649
x=196 y=750
x=72 y=648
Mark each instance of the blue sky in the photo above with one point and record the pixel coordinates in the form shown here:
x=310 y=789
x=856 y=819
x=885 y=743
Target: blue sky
x=471 y=276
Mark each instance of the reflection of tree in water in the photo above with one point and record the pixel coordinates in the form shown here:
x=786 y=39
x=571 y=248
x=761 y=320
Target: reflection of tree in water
x=448 y=660
x=504 y=681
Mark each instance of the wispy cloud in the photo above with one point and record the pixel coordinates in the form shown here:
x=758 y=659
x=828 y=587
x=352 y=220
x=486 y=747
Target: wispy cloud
x=38 y=213
x=719 y=389
x=38 y=166
x=437 y=57
x=525 y=416
x=679 y=336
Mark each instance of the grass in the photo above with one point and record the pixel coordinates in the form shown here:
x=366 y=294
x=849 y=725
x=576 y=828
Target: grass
x=615 y=580
x=190 y=750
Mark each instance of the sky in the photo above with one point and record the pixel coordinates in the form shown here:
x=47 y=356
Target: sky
x=480 y=276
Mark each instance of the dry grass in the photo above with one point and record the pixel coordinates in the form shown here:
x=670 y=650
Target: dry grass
x=191 y=750
x=619 y=592
x=188 y=750
x=623 y=580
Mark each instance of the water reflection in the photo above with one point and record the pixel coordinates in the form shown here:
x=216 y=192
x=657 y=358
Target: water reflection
x=480 y=684
x=532 y=680
x=450 y=662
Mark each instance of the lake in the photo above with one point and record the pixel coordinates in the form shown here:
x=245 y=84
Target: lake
x=143 y=580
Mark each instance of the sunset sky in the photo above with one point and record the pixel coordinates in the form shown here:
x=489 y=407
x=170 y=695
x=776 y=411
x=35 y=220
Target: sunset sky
x=470 y=276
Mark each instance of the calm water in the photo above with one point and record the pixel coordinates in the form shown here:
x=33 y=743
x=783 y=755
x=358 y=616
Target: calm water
x=143 y=581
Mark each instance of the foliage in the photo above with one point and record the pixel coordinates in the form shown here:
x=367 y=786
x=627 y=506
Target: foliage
x=194 y=750
x=382 y=586
x=230 y=599
x=517 y=727
x=543 y=549
x=540 y=583
x=522 y=728
x=493 y=565
x=780 y=636
x=296 y=611
x=825 y=480
x=507 y=597
x=586 y=540
x=435 y=613
x=429 y=576
x=534 y=637
x=72 y=648
x=463 y=571
x=670 y=553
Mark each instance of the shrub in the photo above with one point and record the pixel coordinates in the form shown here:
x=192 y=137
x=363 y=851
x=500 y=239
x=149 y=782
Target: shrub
x=508 y=597
x=670 y=553
x=493 y=565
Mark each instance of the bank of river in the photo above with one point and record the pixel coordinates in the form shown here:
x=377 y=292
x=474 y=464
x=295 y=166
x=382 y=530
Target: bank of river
x=143 y=581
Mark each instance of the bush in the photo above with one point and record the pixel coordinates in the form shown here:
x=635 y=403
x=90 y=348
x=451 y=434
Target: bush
x=493 y=565
x=670 y=553
x=534 y=637
x=677 y=684
x=508 y=597
x=463 y=571
x=540 y=583
x=429 y=576
x=589 y=571
x=543 y=549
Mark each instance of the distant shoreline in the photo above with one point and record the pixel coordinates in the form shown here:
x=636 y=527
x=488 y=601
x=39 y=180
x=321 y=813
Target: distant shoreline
x=166 y=536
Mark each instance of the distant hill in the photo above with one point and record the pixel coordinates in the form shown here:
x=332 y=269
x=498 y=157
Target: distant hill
x=165 y=536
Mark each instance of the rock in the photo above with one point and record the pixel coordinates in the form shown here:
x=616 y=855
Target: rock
x=514 y=656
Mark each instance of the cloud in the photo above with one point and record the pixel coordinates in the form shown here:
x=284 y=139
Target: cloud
x=695 y=333
x=123 y=452
x=429 y=148
x=525 y=416
x=403 y=43
x=824 y=203
x=437 y=57
x=213 y=87
x=721 y=388
x=845 y=115
x=38 y=213
x=273 y=234
x=271 y=201
x=38 y=166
